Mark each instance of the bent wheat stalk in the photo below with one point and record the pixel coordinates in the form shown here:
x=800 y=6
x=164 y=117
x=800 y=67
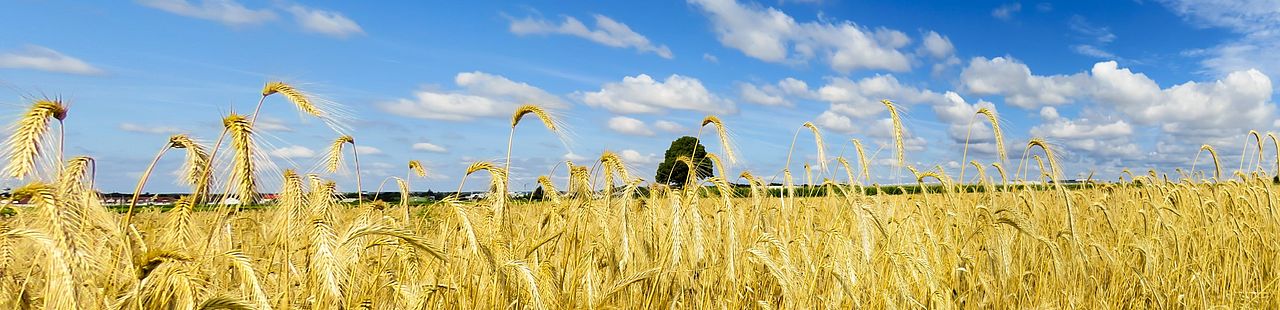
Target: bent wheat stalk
x=22 y=149
x=142 y=181
x=333 y=161
x=897 y=132
x=552 y=125
x=995 y=129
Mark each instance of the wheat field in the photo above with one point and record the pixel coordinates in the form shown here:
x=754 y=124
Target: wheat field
x=611 y=239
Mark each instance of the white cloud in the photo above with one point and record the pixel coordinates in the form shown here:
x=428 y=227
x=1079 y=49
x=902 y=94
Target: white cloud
x=293 y=151
x=937 y=46
x=1256 y=22
x=1240 y=100
x=1092 y=50
x=861 y=98
x=159 y=130
x=1006 y=11
x=267 y=123
x=963 y=120
x=635 y=157
x=835 y=122
x=429 y=147
x=1096 y=38
x=1013 y=80
x=328 y=23
x=573 y=157
x=768 y=34
x=608 y=32
x=482 y=95
x=45 y=59
x=774 y=94
x=669 y=126
x=1048 y=113
x=710 y=58
x=643 y=94
x=227 y=12
x=367 y=150
x=1100 y=136
x=1062 y=128
x=629 y=126
x=753 y=94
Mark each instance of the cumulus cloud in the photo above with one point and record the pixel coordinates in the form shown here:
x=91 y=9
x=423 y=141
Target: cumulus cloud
x=227 y=12
x=1241 y=100
x=157 y=130
x=481 y=95
x=669 y=126
x=710 y=58
x=962 y=120
x=635 y=157
x=774 y=94
x=429 y=147
x=1099 y=136
x=937 y=46
x=367 y=150
x=41 y=58
x=328 y=23
x=835 y=122
x=292 y=151
x=267 y=123
x=629 y=126
x=861 y=98
x=607 y=32
x=643 y=94
x=1012 y=79
x=768 y=34
x=1006 y=11
x=573 y=157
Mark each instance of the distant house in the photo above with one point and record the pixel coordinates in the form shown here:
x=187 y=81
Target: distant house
x=232 y=201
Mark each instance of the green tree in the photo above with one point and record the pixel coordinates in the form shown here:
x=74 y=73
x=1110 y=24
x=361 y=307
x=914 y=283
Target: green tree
x=674 y=173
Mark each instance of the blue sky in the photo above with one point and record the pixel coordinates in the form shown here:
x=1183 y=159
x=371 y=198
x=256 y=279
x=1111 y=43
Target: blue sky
x=1111 y=84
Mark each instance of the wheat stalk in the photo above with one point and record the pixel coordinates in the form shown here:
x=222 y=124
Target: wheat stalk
x=22 y=149
x=822 y=146
x=862 y=160
x=196 y=160
x=416 y=168
x=1275 y=142
x=497 y=188
x=723 y=134
x=243 y=168
x=1217 y=167
x=897 y=132
x=330 y=113
x=142 y=181
x=614 y=166
x=552 y=124
x=995 y=129
x=333 y=161
x=549 y=189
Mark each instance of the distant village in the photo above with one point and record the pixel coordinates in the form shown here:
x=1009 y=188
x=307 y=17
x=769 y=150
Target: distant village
x=167 y=199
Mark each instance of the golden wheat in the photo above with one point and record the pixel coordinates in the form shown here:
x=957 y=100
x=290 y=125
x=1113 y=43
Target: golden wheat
x=1148 y=242
x=23 y=147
